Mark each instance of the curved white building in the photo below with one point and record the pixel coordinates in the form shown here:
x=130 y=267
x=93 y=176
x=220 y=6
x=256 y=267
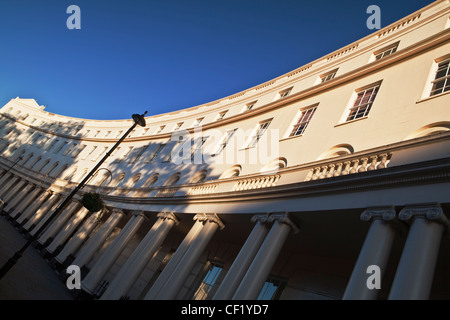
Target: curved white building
x=329 y=182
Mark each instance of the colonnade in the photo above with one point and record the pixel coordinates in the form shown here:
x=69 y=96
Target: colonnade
x=76 y=236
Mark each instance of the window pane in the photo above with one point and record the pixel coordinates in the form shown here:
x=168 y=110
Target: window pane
x=207 y=282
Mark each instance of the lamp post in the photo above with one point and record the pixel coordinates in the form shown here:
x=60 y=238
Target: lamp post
x=138 y=120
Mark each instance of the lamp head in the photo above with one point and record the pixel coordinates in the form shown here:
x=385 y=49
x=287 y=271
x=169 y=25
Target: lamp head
x=139 y=119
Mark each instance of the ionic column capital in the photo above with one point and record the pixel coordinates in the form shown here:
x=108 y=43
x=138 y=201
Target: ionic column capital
x=210 y=217
x=168 y=216
x=429 y=212
x=386 y=214
x=260 y=218
x=117 y=211
x=139 y=213
x=284 y=218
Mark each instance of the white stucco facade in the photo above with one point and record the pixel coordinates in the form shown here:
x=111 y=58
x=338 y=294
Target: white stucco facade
x=297 y=163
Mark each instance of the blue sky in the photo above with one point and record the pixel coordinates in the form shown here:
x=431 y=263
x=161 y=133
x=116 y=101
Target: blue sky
x=165 y=55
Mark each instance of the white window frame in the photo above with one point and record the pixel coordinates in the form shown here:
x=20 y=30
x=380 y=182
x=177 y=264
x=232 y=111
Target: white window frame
x=445 y=78
x=367 y=106
x=296 y=123
x=257 y=133
x=328 y=76
x=385 y=51
x=283 y=93
x=221 y=115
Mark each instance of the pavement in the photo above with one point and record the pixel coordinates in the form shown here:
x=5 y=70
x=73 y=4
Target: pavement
x=31 y=278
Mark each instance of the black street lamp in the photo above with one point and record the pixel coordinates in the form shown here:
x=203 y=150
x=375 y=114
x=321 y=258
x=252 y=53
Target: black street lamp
x=138 y=120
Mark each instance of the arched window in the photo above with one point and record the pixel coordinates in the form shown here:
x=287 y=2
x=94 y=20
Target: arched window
x=173 y=179
x=431 y=129
x=82 y=175
x=53 y=167
x=234 y=171
x=274 y=165
x=103 y=181
x=132 y=181
x=117 y=180
x=336 y=151
x=130 y=184
x=61 y=170
x=71 y=174
x=151 y=180
x=199 y=177
x=27 y=158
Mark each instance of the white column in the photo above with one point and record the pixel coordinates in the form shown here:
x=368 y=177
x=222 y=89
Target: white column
x=18 y=196
x=58 y=222
x=97 y=240
x=76 y=241
x=242 y=262
x=415 y=271
x=261 y=266
x=179 y=275
x=67 y=230
x=141 y=256
x=375 y=251
x=174 y=261
x=42 y=212
x=111 y=253
x=4 y=179
x=14 y=191
x=7 y=184
x=33 y=207
x=25 y=202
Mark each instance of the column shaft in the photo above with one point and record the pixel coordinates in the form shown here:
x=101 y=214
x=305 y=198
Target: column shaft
x=415 y=271
x=137 y=262
x=66 y=232
x=242 y=262
x=97 y=240
x=33 y=207
x=13 y=192
x=57 y=223
x=175 y=282
x=4 y=188
x=25 y=202
x=76 y=241
x=174 y=261
x=108 y=257
x=261 y=266
x=18 y=196
x=375 y=251
x=41 y=214
x=4 y=179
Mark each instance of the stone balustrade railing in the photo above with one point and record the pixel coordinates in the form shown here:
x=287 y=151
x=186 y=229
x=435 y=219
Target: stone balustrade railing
x=202 y=189
x=256 y=183
x=349 y=166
